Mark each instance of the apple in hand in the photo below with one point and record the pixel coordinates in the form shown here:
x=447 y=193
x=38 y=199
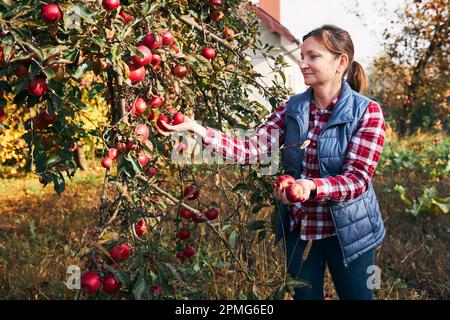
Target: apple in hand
x=177 y=118
x=294 y=192
x=283 y=181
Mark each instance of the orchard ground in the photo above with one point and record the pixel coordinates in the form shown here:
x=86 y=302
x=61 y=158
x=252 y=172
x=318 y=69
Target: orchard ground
x=40 y=231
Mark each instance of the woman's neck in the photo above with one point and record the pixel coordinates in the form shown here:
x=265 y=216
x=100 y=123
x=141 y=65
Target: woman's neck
x=324 y=95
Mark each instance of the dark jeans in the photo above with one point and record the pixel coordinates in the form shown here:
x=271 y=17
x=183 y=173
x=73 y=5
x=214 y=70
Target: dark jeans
x=350 y=283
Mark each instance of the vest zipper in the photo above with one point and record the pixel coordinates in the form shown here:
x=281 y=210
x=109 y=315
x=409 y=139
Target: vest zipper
x=332 y=215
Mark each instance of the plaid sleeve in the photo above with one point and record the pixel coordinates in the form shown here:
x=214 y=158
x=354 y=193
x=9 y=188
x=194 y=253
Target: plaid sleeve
x=252 y=149
x=364 y=152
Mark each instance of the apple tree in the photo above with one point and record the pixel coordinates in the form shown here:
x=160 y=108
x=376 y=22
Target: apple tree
x=159 y=232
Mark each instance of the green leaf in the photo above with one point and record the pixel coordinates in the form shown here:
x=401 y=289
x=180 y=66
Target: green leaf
x=233 y=239
x=20 y=86
x=36 y=51
x=53 y=161
x=59 y=183
x=140 y=288
x=120 y=276
x=255 y=225
x=256 y=208
x=261 y=235
x=81 y=70
x=100 y=42
x=83 y=13
x=135 y=163
x=48 y=73
x=240 y=186
x=283 y=76
x=442 y=203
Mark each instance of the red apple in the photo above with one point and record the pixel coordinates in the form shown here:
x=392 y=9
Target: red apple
x=142 y=61
x=141 y=227
x=228 y=33
x=107 y=163
x=294 y=192
x=185 y=213
x=140 y=105
x=209 y=53
x=156 y=102
x=120 y=252
x=122 y=147
x=151 y=171
x=151 y=116
x=2 y=114
x=217 y=15
x=124 y=16
x=191 y=192
x=180 y=255
x=180 y=71
x=161 y=119
x=197 y=219
x=111 y=4
x=156 y=61
x=131 y=145
x=46 y=118
x=37 y=86
x=111 y=153
x=21 y=71
x=215 y=2
x=189 y=251
x=212 y=214
x=142 y=159
x=184 y=234
x=90 y=282
x=48 y=141
x=50 y=13
x=137 y=73
x=152 y=41
x=177 y=118
x=283 y=181
x=175 y=48
x=167 y=38
x=141 y=132
x=110 y=284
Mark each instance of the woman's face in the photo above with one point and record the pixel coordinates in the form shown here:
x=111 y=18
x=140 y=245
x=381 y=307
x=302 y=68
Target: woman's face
x=319 y=66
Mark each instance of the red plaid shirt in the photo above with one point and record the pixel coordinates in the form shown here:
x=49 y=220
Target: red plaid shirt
x=364 y=152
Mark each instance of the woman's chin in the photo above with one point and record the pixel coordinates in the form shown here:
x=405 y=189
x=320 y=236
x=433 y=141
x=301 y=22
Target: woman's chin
x=309 y=82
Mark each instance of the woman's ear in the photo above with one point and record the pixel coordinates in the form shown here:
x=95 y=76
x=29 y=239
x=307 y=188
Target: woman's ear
x=343 y=63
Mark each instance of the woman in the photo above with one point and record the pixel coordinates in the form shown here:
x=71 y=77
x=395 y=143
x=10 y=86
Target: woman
x=344 y=133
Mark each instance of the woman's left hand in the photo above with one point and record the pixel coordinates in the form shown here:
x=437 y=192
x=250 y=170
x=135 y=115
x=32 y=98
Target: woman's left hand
x=307 y=186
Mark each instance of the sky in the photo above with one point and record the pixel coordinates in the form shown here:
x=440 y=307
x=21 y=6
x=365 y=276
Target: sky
x=302 y=16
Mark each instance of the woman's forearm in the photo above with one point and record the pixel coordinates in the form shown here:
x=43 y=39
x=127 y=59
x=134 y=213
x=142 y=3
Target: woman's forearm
x=199 y=130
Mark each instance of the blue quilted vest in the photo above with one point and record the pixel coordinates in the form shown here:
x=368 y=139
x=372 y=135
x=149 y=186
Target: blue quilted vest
x=358 y=222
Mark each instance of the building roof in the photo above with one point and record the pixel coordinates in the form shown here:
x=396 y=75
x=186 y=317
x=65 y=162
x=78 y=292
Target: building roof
x=274 y=25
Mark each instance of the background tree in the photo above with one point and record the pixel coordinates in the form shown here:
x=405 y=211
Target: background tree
x=412 y=78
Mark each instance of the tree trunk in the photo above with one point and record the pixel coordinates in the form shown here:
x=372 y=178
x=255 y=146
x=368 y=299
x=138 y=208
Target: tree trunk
x=80 y=158
x=405 y=121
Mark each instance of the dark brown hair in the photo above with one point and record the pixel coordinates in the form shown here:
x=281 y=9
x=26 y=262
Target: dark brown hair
x=338 y=41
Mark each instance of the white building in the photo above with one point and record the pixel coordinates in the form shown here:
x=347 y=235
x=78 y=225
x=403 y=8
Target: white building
x=274 y=33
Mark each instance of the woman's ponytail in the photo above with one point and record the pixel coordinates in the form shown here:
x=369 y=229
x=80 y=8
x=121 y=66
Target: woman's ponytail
x=356 y=77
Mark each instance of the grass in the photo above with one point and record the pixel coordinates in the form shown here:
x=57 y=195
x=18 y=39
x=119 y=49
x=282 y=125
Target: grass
x=40 y=231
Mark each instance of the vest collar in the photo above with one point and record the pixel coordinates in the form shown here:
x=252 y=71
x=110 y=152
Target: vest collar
x=342 y=111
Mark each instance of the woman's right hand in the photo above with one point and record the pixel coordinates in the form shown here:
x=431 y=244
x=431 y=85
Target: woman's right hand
x=188 y=125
